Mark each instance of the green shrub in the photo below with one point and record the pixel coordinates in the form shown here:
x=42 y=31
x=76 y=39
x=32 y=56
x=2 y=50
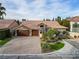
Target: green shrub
x=48 y=47
x=44 y=37
x=4 y=34
x=51 y=33
x=44 y=45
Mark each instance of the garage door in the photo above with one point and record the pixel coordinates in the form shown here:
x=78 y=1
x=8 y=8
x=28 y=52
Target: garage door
x=35 y=33
x=23 y=32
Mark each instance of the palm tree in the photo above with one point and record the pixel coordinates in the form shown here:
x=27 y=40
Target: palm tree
x=2 y=11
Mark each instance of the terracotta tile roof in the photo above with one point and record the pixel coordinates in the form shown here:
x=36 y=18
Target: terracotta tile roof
x=54 y=24
x=22 y=27
x=31 y=24
x=5 y=23
x=34 y=24
x=75 y=19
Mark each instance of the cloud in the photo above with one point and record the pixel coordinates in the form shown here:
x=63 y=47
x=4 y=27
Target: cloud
x=37 y=9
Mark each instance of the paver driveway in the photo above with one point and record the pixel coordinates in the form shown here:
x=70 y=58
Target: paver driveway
x=22 y=45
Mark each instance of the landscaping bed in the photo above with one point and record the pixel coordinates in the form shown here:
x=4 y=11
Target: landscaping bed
x=52 y=40
x=49 y=47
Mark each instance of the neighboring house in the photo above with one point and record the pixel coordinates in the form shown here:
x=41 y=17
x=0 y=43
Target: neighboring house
x=74 y=26
x=34 y=28
x=8 y=25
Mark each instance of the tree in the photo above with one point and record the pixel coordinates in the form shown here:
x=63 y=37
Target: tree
x=2 y=11
x=51 y=33
x=44 y=19
x=18 y=22
x=66 y=23
x=44 y=36
x=47 y=19
x=23 y=19
x=58 y=19
x=53 y=19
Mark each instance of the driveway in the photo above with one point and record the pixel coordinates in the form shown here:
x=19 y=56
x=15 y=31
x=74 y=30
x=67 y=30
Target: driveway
x=74 y=42
x=22 y=45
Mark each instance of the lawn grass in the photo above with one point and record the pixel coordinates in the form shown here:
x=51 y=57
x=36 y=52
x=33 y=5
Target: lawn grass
x=56 y=46
x=49 y=47
x=2 y=42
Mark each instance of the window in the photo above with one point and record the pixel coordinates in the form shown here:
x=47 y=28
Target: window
x=75 y=25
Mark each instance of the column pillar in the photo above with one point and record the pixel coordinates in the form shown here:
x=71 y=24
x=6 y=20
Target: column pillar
x=15 y=32
x=71 y=26
x=30 y=32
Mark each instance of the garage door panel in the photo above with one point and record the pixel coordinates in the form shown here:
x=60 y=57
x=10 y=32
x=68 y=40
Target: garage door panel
x=23 y=32
x=35 y=33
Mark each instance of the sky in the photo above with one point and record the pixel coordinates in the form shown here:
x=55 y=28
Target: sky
x=39 y=9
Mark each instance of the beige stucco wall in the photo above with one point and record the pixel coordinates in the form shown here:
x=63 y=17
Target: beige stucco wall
x=72 y=34
x=71 y=25
x=61 y=29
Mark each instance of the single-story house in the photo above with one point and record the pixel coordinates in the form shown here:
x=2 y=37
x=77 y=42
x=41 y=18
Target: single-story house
x=34 y=28
x=9 y=25
x=74 y=26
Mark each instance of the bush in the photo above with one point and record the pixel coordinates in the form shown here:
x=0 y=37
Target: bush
x=8 y=34
x=66 y=35
x=44 y=37
x=48 y=47
x=51 y=33
x=44 y=45
x=4 y=34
